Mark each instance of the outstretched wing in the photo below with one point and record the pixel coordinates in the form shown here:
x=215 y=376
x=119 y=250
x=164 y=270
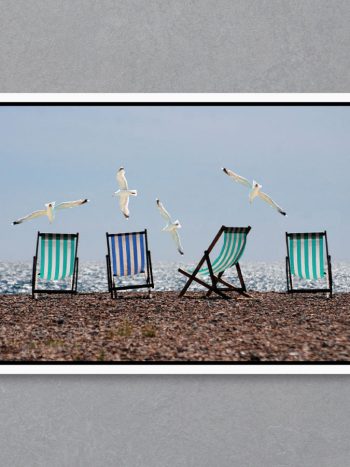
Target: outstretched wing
x=121 y=180
x=176 y=237
x=164 y=213
x=71 y=204
x=124 y=204
x=271 y=202
x=237 y=178
x=33 y=215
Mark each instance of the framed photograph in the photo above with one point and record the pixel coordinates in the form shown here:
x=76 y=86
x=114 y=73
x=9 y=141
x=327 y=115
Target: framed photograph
x=174 y=233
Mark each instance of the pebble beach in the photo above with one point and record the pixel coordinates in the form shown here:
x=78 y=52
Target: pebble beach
x=267 y=327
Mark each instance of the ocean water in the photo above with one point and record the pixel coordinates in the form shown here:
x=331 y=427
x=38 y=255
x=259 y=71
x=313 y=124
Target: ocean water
x=16 y=278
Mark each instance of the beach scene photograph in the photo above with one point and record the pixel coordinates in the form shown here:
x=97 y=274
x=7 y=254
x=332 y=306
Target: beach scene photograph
x=175 y=233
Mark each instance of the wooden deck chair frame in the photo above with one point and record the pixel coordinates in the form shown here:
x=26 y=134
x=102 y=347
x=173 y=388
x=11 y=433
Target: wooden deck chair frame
x=216 y=280
x=112 y=288
x=74 y=280
x=290 y=288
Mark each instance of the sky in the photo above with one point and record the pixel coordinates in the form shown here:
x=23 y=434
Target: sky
x=301 y=156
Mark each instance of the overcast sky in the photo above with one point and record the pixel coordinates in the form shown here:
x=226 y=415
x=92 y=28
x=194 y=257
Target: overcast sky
x=301 y=156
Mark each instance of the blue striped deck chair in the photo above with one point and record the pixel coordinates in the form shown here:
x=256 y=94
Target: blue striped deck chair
x=55 y=260
x=234 y=243
x=308 y=259
x=128 y=255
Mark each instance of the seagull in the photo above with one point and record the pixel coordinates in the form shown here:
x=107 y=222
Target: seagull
x=50 y=209
x=123 y=193
x=255 y=190
x=171 y=227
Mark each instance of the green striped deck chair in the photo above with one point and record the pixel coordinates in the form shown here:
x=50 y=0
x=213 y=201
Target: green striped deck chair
x=128 y=255
x=308 y=259
x=55 y=260
x=233 y=246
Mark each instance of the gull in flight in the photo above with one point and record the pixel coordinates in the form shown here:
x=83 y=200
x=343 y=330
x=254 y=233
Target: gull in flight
x=50 y=209
x=255 y=190
x=171 y=227
x=123 y=193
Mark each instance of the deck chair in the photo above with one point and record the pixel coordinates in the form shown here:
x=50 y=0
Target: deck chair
x=308 y=258
x=128 y=255
x=234 y=242
x=55 y=259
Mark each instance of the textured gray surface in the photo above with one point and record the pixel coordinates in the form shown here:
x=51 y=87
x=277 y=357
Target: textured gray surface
x=172 y=421
x=174 y=45
x=163 y=46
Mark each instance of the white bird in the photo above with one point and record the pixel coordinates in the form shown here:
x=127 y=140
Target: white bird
x=123 y=193
x=171 y=227
x=255 y=190
x=50 y=209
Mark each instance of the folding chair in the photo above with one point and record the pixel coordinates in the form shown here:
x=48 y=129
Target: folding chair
x=55 y=259
x=234 y=243
x=308 y=258
x=128 y=255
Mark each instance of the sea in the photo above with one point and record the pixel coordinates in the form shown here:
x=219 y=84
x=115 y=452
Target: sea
x=15 y=278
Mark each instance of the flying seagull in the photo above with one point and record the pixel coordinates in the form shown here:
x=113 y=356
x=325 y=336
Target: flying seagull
x=255 y=190
x=171 y=227
x=50 y=209
x=123 y=193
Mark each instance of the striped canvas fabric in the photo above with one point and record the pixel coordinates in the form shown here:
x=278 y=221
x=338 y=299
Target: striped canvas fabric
x=57 y=256
x=306 y=255
x=128 y=253
x=231 y=252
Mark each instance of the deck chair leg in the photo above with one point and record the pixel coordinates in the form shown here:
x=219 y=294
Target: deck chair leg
x=112 y=284
x=114 y=290
x=204 y=284
x=240 y=277
x=191 y=277
x=330 y=278
x=233 y=288
x=150 y=271
x=75 y=277
x=34 y=277
x=287 y=277
x=216 y=281
x=188 y=283
x=290 y=279
x=184 y=290
x=108 y=279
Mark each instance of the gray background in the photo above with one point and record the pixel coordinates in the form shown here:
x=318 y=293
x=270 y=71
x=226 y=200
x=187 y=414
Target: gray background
x=163 y=46
x=174 y=46
x=174 y=421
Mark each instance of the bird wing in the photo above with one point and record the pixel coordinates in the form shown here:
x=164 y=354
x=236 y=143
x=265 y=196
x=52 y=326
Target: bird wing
x=237 y=178
x=164 y=213
x=121 y=180
x=271 y=202
x=176 y=237
x=71 y=204
x=30 y=216
x=124 y=204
